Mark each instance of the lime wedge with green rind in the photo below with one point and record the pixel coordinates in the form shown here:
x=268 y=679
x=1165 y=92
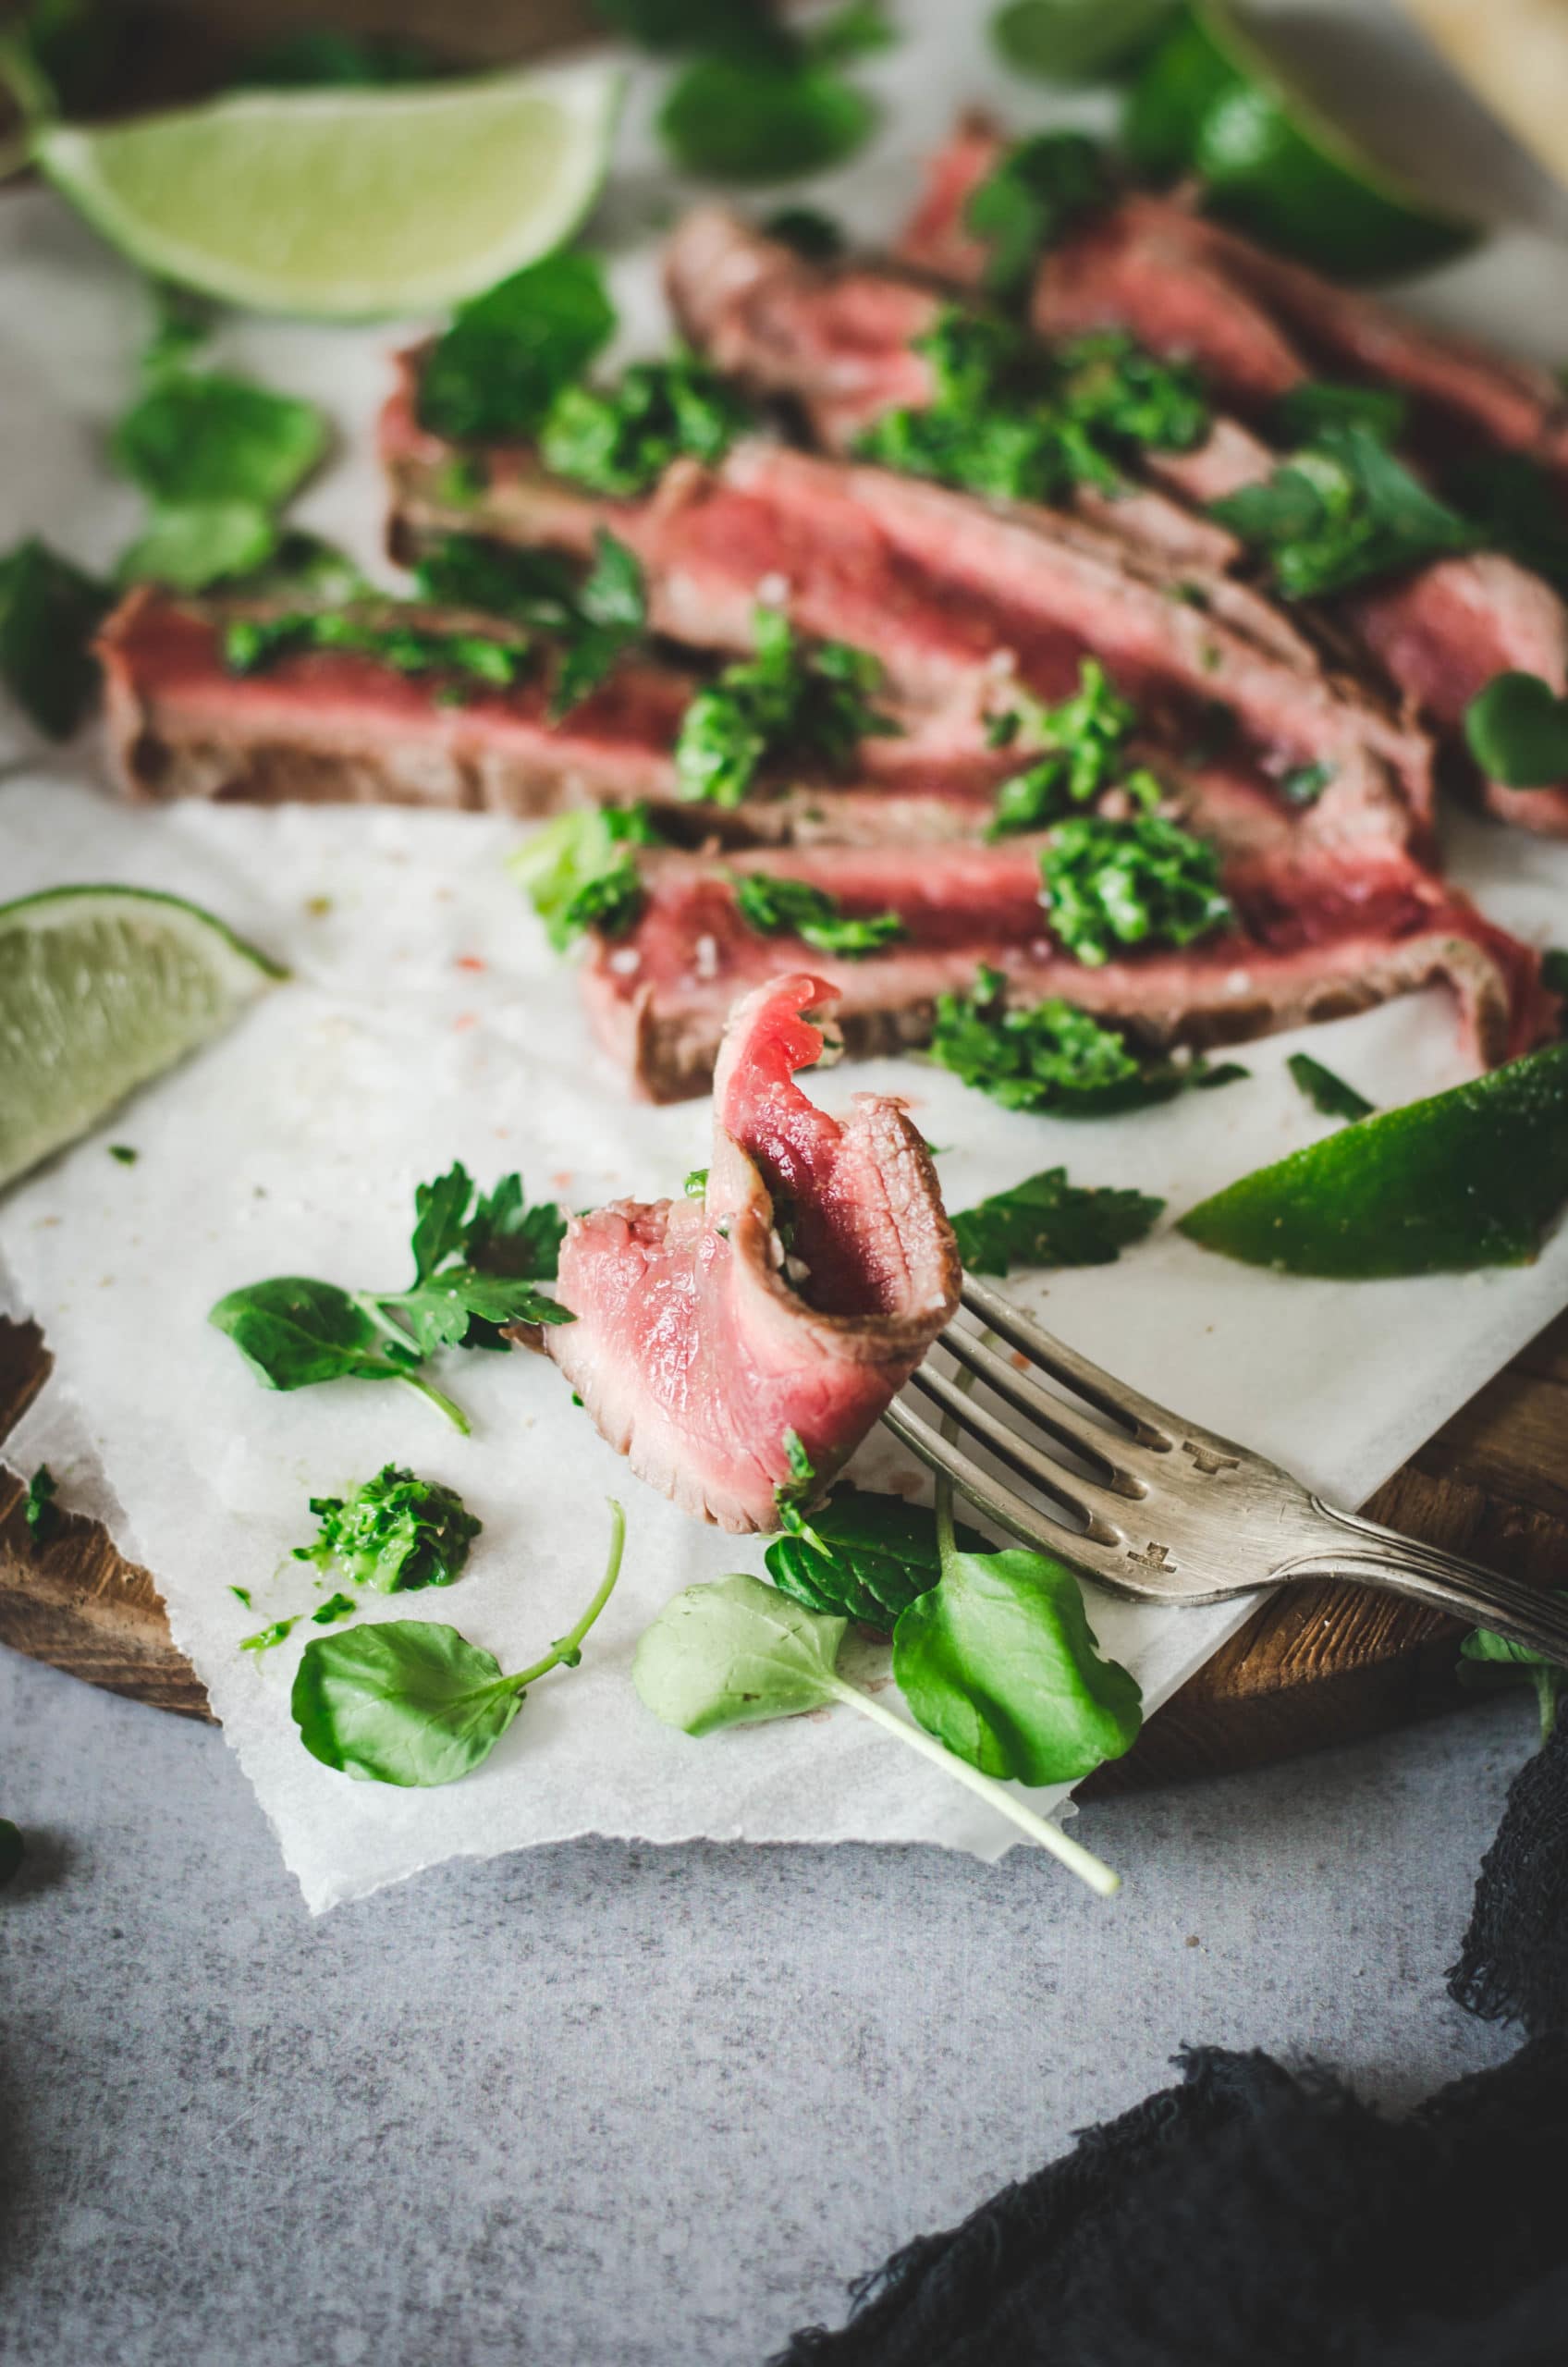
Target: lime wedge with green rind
x=102 y=989
x=347 y=203
x=1469 y=1178
x=1209 y=101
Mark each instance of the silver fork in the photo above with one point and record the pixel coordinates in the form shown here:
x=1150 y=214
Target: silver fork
x=1152 y=1506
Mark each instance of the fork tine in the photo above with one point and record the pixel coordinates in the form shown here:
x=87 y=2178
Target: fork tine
x=1031 y=1524
x=1151 y=1425
x=1092 y=1502
x=1059 y=1417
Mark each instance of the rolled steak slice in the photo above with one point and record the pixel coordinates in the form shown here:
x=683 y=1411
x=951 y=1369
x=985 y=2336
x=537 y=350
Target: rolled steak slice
x=949 y=593
x=1319 y=932
x=723 y=1366
x=338 y=726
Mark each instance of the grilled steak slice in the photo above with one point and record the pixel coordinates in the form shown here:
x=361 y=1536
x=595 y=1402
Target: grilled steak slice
x=945 y=590
x=1258 y=325
x=1319 y=932
x=1255 y=323
x=332 y=725
x=701 y=1348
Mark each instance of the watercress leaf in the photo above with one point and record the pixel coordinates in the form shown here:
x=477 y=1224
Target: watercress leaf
x=12 y=1851
x=40 y=1510
x=1045 y=1221
x=190 y=544
x=49 y=613
x=1108 y=885
x=1328 y=1094
x=1517 y=729
x=508 y=353
x=867 y=1556
x=395 y=1532
x=440 y=1218
x=999 y=1662
x=763 y=113
x=406 y=1702
x=294 y=1331
x=1040 y=187
x=734 y=1653
x=199 y=439
x=1485 y=1655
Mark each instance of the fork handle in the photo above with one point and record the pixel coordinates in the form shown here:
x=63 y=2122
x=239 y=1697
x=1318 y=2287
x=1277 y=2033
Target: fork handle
x=1382 y=1557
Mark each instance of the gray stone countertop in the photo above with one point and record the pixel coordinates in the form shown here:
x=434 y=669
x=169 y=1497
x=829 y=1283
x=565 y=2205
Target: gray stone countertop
x=611 y=2106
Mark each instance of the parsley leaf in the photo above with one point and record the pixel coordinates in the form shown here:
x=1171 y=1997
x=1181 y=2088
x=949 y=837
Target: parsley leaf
x=49 y=613
x=612 y=615
x=1045 y=1221
x=867 y=1558
x=1328 y=1094
x=578 y=874
x=1107 y=885
x=1086 y=736
x=38 y=1508
x=394 y=1533
x=786 y=705
x=1517 y=731
x=1042 y=186
x=508 y=354
x=620 y=438
x=1341 y=511
x=477 y=1260
x=1052 y=1056
x=777 y=907
x=466 y=662
x=410 y=1701
x=1018 y=421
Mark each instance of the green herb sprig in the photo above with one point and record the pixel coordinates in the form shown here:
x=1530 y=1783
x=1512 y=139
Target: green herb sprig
x=775 y=906
x=464 y=664
x=618 y=439
x=1341 y=511
x=787 y=704
x=1485 y=1658
x=1052 y=1056
x=1085 y=738
x=1108 y=886
x=592 y=620
x=579 y=873
x=411 y=1703
x=1045 y=1221
x=478 y=1261
x=1041 y=188
x=508 y=353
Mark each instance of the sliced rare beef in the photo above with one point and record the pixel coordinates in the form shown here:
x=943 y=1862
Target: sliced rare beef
x=1258 y=325
x=709 y=1354
x=336 y=725
x=1319 y=932
x=952 y=595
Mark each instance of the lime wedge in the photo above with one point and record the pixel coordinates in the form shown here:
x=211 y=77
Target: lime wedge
x=101 y=989
x=1209 y=99
x=1466 y=1179
x=347 y=204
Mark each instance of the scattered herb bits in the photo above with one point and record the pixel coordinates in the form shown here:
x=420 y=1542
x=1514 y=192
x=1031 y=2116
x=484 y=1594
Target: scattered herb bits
x=49 y=613
x=775 y=906
x=1110 y=886
x=1328 y=1094
x=394 y=1533
x=1052 y=1056
x=40 y=1510
x=809 y=707
x=1045 y=1221
x=578 y=872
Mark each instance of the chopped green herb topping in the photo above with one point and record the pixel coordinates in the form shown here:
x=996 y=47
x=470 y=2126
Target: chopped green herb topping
x=466 y=663
x=38 y=1508
x=1041 y=188
x=123 y=1154
x=786 y=705
x=696 y=1183
x=1341 y=511
x=1052 y=1056
x=508 y=353
x=1304 y=784
x=578 y=874
x=1109 y=885
x=49 y=613
x=1019 y=422
x=777 y=907
x=241 y=1594
x=1087 y=737
x=1328 y=1094
x=337 y=1606
x=1045 y=1221
x=593 y=619
x=265 y=1637
x=1301 y=416
x=620 y=440
x=394 y=1533
x=814 y=235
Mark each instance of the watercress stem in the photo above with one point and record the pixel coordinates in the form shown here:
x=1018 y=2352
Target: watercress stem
x=438 y=1398
x=1081 y=1861
x=569 y=1646
x=947 y=1539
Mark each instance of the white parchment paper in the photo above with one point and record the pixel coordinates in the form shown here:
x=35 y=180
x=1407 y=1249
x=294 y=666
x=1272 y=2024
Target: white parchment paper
x=428 y=1020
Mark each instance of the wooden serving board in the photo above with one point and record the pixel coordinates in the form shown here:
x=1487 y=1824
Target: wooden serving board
x=1316 y=1664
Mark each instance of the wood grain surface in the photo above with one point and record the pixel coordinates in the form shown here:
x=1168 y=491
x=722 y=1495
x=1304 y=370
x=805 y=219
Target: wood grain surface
x=1316 y=1664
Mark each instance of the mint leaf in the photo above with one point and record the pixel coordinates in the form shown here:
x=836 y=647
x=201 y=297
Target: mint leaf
x=1045 y=1221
